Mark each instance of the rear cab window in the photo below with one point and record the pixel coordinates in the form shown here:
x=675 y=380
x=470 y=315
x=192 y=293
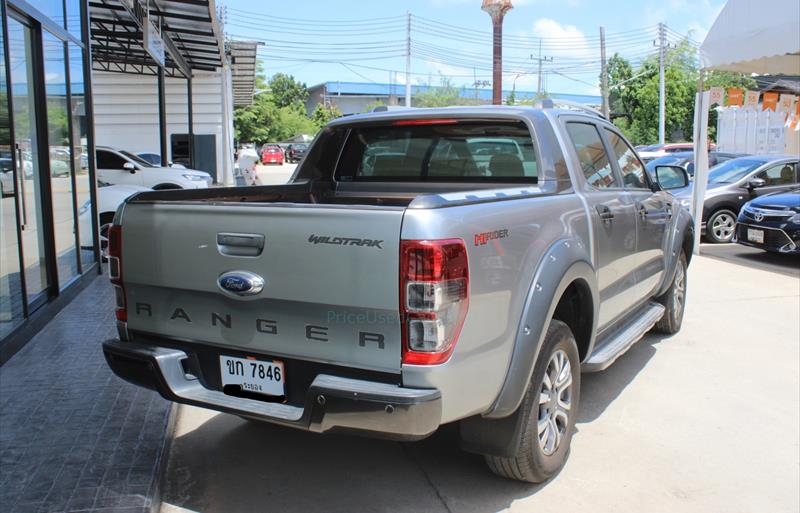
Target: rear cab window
x=439 y=151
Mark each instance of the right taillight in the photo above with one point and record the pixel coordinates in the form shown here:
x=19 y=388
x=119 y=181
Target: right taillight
x=115 y=271
x=434 y=297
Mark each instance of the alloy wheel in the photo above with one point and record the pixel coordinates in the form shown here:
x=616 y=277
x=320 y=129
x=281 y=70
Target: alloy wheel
x=679 y=294
x=555 y=402
x=723 y=226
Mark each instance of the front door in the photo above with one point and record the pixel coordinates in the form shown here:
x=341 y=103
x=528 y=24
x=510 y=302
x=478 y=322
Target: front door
x=653 y=214
x=111 y=169
x=614 y=218
x=778 y=178
x=26 y=152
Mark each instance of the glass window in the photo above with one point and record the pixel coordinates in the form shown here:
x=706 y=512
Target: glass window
x=109 y=160
x=74 y=17
x=12 y=311
x=629 y=165
x=782 y=174
x=592 y=155
x=450 y=151
x=53 y=9
x=80 y=156
x=732 y=170
x=61 y=186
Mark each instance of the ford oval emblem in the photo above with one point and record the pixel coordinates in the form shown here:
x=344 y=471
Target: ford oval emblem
x=240 y=283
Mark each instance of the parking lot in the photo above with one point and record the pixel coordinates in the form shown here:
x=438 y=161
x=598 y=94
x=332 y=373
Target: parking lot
x=705 y=421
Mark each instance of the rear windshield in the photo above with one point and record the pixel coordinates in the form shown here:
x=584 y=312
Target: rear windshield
x=464 y=151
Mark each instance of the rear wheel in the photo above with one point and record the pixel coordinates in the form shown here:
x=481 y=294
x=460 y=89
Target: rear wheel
x=720 y=226
x=550 y=408
x=106 y=220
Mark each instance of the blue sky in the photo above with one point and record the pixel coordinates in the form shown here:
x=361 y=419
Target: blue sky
x=318 y=41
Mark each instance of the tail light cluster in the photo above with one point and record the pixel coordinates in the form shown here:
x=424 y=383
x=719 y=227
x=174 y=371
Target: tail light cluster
x=115 y=271
x=434 y=297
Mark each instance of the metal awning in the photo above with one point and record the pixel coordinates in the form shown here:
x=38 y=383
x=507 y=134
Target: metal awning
x=243 y=70
x=190 y=30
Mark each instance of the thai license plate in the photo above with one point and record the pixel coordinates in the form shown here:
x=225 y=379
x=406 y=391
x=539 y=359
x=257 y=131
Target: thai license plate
x=259 y=376
x=755 y=235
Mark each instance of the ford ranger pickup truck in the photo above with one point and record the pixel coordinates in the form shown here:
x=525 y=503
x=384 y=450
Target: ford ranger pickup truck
x=421 y=267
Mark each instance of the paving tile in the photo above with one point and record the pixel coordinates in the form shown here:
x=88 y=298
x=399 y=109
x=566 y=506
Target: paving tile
x=74 y=437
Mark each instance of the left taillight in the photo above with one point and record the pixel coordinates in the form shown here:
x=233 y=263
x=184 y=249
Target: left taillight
x=115 y=271
x=434 y=297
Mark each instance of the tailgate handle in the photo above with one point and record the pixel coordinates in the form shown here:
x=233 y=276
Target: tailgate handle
x=240 y=244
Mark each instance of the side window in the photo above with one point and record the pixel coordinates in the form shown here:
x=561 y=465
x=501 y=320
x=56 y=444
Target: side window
x=108 y=160
x=629 y=165
x=782 y=174
x=592 y=155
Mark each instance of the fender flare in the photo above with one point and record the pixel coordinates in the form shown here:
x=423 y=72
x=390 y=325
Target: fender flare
x=683 y=230
x=564 y=262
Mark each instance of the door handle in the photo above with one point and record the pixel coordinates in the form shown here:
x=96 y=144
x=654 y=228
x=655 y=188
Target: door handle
x=606 y=215
x=240 y=244
x=643 y=212
x=21 y=188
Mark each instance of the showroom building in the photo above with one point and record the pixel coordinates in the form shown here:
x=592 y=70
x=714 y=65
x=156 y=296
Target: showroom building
x=49 y=235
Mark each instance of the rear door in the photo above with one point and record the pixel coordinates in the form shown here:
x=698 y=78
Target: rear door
x=653 y=214
x=330 y=276
x=614 y=216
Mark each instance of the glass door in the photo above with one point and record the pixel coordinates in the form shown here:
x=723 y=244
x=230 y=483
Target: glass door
x=26 y=153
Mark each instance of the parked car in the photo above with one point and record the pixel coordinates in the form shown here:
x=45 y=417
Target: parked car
x=296 y=151
x=155 y=160
x=109 y=198
x=421 y=293
x=734 y=183
x=119 y=167
x=271 y=154
x=685 y=159
x=653 y=151
x=7 y=185
x=771 y=222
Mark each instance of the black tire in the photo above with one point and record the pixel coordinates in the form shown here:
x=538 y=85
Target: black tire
x=674 y=300
x=166 y=186
x=725 y=221
x=531 y=463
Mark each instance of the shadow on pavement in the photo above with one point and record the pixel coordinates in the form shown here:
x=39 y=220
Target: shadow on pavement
x=228 y=464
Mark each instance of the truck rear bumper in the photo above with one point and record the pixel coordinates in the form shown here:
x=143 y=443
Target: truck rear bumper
x=332 y=403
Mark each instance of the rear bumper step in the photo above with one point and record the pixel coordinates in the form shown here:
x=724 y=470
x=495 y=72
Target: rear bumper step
x=332 y=403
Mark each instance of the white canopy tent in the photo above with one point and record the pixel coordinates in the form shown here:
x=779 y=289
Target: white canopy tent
x=747 y=37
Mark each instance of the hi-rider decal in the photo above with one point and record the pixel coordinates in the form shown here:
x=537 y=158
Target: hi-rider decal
x=481 y=239
x=345 y=241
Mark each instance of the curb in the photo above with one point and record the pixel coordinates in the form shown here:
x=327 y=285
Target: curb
x=163 y=457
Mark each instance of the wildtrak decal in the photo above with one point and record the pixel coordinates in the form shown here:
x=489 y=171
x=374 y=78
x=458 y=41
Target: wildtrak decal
x=345 y=241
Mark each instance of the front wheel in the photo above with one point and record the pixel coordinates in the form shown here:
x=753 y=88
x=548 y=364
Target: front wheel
x=550 y=408
x=674 y=300
x=721 y=226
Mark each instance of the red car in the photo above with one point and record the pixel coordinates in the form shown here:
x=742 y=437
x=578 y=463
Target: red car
x=271 y=154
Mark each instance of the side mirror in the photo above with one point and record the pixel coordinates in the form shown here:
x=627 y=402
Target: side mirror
x=129 y=166
x=671 y=177
x=755 y=183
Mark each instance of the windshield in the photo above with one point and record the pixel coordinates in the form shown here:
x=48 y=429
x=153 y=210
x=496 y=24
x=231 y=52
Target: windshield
x=136 y=158
x=663 y=161
x=732 y=170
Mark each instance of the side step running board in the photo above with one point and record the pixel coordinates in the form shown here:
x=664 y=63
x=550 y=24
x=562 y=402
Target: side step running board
x=622 y=340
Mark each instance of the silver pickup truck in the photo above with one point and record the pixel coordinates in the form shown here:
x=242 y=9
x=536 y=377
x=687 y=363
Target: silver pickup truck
x=421 y=267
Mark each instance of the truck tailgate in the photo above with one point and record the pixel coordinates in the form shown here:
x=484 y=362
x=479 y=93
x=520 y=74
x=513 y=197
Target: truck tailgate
x=330 y=276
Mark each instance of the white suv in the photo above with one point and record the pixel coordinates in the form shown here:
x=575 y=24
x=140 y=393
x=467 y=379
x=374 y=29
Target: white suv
x=120 y=167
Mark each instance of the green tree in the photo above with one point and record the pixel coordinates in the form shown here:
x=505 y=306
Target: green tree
x=324 y=113
x=443 y=96
x=285 y=90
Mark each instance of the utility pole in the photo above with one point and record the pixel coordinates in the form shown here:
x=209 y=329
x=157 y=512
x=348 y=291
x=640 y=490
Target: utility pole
x=662 y=50
x=408 y=59
x=539 y=75
x=604 y=74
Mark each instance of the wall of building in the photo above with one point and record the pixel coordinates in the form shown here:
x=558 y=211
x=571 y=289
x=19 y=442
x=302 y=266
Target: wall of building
x=126 y=112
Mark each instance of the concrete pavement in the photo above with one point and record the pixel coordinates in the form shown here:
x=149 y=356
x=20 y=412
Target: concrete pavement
x=704 y=421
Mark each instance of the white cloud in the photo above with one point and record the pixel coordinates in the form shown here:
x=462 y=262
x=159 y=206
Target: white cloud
x=571 y=40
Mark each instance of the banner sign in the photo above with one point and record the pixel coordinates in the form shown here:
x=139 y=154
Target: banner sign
x=751 y=99
x=735 y=97
x=770 y=102
x=716 y=96
x=785 y=103
x=153 y=43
